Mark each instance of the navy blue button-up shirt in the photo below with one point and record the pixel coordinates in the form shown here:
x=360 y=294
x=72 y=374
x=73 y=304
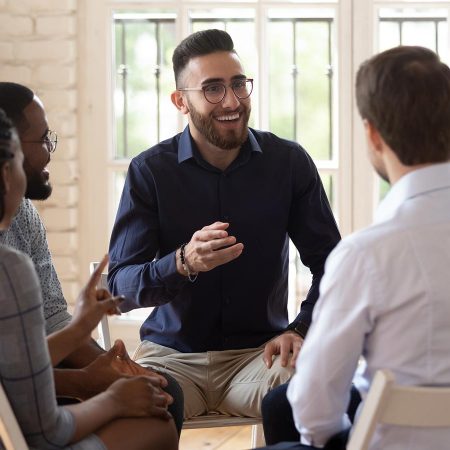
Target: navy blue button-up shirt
x=270 y=192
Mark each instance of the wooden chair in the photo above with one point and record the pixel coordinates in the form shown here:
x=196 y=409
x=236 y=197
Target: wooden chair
x=10 y=432
x=409 y=406
x=211 y=420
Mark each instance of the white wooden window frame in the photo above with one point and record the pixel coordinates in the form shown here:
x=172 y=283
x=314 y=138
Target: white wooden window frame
x=356 y=39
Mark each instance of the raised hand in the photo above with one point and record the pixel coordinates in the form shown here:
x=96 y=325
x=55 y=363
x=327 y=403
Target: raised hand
x=210 y=247
x=92 y=303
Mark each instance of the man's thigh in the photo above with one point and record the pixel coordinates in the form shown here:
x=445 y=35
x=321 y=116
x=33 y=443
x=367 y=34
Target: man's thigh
x=187 y=368
x=250 y=382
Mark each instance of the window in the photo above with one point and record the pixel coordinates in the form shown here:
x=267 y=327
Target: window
x=303 y=56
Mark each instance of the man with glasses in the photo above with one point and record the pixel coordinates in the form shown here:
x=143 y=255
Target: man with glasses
x=202 y=233
x=88 y=370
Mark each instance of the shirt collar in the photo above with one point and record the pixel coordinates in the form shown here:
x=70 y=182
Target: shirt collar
x=413 y=184
x=185 y=150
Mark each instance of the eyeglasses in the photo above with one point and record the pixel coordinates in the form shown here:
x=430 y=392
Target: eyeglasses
x=215 y=92
x=50 y=140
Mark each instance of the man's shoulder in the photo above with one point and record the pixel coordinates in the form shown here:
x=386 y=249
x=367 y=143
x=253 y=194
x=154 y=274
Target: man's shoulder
x=384 y=237
x=23 y=228
x=268 y=138
x=27 y=212
x=277 y=146
x=167 y=147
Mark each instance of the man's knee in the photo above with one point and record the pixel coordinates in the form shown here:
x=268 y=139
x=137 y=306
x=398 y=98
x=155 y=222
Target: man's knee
x=278 y=375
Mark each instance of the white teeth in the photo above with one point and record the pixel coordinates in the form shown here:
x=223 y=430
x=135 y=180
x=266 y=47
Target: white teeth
x=228 y=117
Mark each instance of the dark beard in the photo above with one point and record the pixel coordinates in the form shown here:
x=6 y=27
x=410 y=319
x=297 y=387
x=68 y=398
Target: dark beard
x=38 y=188
x=205 y=126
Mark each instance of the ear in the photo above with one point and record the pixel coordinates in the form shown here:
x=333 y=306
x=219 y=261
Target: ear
x=373 y=136
x=179 y=101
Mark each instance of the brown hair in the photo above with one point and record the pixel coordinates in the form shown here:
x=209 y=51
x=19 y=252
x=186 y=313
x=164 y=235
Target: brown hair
x=404 y=93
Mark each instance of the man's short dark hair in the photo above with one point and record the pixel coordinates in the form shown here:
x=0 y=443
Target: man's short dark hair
x=404 y=93
x=6 y=128
x=199 y=44
x=14 y=98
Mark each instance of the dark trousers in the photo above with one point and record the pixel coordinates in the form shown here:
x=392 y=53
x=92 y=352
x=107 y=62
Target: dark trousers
x=177 y=407
x=278 y=422
x=338 y=442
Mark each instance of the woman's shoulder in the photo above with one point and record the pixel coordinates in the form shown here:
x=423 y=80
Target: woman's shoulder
x=17 y=263
x=11 y=255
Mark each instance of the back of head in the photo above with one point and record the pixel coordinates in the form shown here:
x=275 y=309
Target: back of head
x=6 y=130
x=199 y=44
x=14 y=98
x=404 y=93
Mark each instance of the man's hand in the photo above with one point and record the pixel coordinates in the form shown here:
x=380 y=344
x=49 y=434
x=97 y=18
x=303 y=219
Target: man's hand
x=208 y=248
x=287 y=345
x=112 y=365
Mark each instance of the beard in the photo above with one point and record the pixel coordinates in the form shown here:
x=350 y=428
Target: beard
x=230 y=140
x=38 y=186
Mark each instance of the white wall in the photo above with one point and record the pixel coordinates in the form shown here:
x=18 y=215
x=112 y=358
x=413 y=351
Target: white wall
x=38 y=48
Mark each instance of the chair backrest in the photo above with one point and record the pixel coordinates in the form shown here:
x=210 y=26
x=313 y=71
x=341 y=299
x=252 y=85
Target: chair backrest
x=10 y=432
x=393 y=404
x=104 y=336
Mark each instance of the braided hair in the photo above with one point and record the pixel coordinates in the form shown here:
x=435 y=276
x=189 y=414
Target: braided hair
x=6 y=131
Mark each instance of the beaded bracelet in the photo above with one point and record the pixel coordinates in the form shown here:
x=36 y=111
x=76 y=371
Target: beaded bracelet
x=191 y=276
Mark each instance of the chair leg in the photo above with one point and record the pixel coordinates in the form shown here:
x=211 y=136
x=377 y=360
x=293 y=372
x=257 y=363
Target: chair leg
x=258 y=439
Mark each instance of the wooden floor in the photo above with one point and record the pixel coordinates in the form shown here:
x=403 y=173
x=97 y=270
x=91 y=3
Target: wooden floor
x=225 y=438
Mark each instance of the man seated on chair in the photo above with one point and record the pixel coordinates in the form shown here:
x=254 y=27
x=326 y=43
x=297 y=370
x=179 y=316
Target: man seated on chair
x=202 y=233
x=385 y=292
x=88 y=370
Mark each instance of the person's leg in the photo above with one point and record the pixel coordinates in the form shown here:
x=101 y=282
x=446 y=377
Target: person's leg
x=139 y=434
x=247 y=380
x=287 y=446
x=177 y=407
x=188 y=369
x=355 y=400
x=278 y=422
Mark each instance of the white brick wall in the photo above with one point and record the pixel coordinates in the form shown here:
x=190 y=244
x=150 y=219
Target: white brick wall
x=38 y=48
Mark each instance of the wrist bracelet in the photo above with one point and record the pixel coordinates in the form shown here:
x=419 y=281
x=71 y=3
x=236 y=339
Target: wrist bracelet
x=191 y=276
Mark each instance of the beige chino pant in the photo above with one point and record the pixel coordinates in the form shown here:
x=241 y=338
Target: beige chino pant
x=231 y=382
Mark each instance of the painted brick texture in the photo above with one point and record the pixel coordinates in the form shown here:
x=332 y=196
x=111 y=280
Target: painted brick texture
x=38 y=48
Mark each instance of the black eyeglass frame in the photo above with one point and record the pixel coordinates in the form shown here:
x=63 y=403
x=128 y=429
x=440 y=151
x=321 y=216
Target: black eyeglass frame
x=50 y=141
x=203 y=88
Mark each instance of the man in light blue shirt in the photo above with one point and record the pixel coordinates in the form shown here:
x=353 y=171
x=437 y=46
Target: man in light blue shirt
x=385 y=292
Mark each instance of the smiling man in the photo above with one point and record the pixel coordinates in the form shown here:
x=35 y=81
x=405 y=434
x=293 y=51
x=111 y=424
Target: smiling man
x=202 y=233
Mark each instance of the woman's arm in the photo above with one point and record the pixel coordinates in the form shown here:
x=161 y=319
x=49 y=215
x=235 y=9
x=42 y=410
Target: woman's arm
x=92 y=304
x=127 y=397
